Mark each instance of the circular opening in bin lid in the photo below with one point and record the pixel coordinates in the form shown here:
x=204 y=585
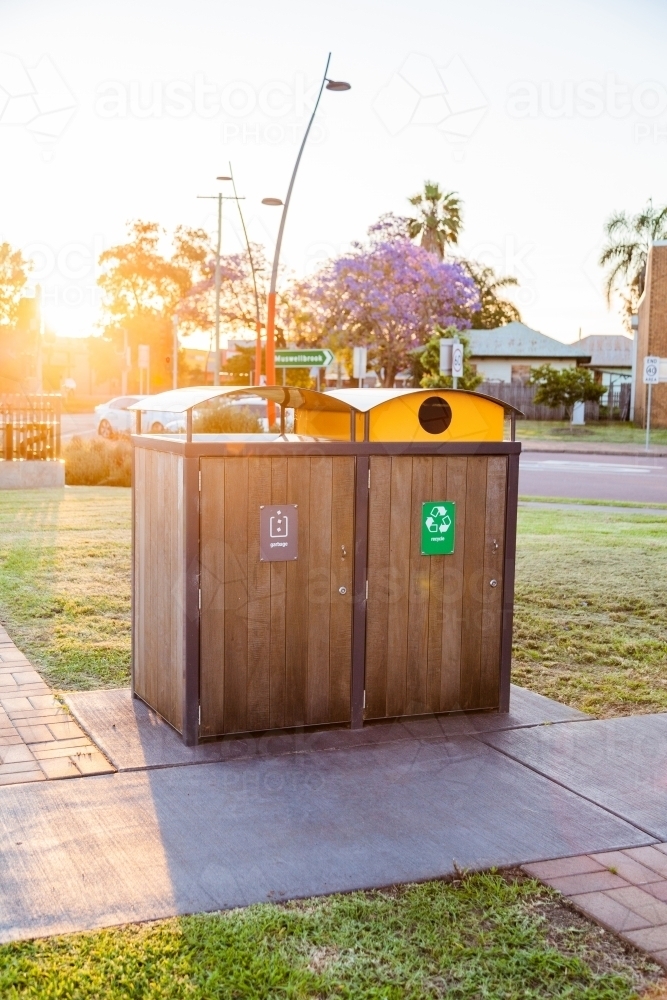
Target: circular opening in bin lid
x=435 y=415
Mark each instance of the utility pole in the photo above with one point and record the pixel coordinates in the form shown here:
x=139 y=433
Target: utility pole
x=219 y=198
x=174 y=365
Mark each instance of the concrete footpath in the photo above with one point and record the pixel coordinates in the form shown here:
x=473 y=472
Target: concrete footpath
x=172 y=830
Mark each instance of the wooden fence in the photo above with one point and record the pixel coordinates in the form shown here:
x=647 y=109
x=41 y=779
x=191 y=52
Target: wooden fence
x=522 y=397
x=30 y=427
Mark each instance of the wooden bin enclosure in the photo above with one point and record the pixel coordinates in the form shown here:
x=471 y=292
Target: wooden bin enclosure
x=361 y=625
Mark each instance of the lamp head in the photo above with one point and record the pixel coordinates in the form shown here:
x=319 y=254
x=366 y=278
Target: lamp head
x=337 y=85
x=271 y=201
x=223 y=178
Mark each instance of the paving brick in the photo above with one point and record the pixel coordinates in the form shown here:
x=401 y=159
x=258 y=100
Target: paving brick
x=626 y=867
x=661 y=958
x=44 y=701
x=14 y=704
x=10 y=740
x=71 y=744
x=63 y=751
x=572 y=885
x=44 y=715
x=16 y=752
x=27 y=677
x=651 y=939
x=21 y=778
x=563 y=866
x=609 y=912
x=93 y=763
x=33 y=734
x=650 y=857
x=661 y=847
x=658 y=889
x=19 y=767
x=641 y=902
x=59 y=767
x=66 y=730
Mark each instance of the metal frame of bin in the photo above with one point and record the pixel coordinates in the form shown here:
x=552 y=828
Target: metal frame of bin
x=182 y=615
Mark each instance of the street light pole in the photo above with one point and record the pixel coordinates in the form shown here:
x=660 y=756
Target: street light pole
x=258 y=322
x=336 y=85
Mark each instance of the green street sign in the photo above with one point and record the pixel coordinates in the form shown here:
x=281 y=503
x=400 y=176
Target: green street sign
x=304 y=359
x=438 y=527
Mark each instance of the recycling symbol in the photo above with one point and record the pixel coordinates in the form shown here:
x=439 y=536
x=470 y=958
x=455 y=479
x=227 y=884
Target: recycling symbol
x=438 y=520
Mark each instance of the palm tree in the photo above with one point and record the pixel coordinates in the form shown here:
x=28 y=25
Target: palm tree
x=624 y=256
x=494 y=310
x=438 y=220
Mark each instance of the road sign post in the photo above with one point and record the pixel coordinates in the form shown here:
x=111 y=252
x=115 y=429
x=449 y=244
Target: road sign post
x=651 y=378
x=305 y=358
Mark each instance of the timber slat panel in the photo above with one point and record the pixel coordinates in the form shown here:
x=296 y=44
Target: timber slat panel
x=278 y=608
x=341 y=575
x=286 y=639
x=436 y=600
x=473 y=577
x=319 y=588
x=452 y=612
x=236 y=596
x=259 y=602
x=433 y=632
x=418 y=593
x=399 y=582
x=494 y=555
x=212 y=567
x=296 y=633
x=158 y=584
x=378 y=588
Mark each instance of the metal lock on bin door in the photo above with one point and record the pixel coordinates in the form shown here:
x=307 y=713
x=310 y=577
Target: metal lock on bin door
x=493 y=583
x=342 y=590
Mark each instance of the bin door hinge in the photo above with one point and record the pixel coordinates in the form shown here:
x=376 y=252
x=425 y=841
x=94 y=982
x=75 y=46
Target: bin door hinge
x=200 y=715
x=369 y=478
x=364 y=704
x=366 y=589
x=200 y=480
x=200 y=598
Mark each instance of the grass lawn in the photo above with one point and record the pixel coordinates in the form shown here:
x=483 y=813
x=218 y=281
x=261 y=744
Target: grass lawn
x=591 y=610
x=614 y=431
x=482 y=936
x=65 y=582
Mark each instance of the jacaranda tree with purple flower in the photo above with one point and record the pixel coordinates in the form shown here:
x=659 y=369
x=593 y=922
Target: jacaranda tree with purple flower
x=387 y=295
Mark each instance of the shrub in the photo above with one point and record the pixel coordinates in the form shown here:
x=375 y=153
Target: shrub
x=98 y=462
x=225 y=419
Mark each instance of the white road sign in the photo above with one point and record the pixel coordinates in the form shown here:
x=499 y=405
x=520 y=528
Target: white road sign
x=457 y=360
x=651 y=370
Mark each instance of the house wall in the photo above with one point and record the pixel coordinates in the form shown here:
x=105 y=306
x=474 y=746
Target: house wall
x=500 y=369
x=652 y=335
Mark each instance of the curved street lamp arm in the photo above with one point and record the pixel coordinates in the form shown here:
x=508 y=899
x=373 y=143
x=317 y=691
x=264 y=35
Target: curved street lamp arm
x=283 y=217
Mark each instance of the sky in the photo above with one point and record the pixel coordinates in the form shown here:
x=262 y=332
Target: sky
x=543 y=117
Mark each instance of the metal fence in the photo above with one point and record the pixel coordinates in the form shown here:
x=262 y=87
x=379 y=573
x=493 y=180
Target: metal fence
x=30 y=427
x=521 y=396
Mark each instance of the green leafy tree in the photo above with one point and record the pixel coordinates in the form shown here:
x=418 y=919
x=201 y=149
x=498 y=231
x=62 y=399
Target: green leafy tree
x=426 y=363
x=14 y=271
x=565 y=387
x=494 y=310
x=438 y=220
x=624 y=256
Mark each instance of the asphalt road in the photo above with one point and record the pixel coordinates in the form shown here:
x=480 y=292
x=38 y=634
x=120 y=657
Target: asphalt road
x=78 y=425
x=594 y=477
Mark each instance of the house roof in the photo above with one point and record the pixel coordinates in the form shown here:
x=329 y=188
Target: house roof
x=608 y=350
x=516 y=340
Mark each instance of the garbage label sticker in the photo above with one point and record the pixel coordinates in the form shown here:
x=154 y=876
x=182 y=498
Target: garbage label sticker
x=438 y=527
x=278 y=532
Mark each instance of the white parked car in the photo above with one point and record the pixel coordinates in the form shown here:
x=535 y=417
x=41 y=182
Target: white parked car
x=114 y=418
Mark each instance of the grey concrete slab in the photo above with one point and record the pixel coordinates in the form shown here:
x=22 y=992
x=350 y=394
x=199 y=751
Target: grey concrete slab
x=620 y=764
x=133 y=736
x=137 y=846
